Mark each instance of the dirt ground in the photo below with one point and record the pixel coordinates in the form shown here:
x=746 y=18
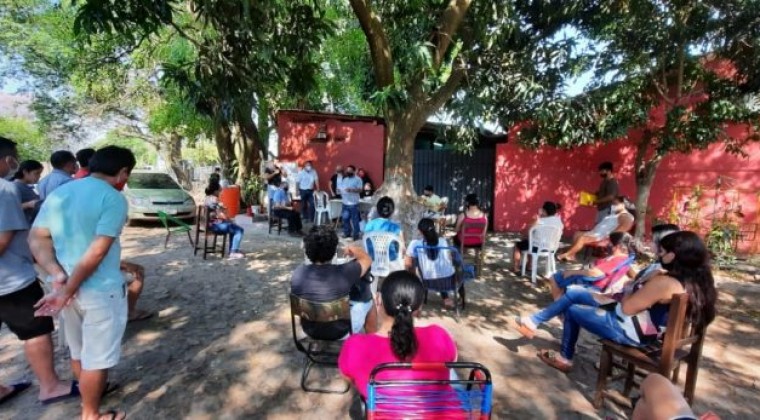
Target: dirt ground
x=220 y=346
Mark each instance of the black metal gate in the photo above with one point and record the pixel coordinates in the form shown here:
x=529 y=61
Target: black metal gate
x=454 y=175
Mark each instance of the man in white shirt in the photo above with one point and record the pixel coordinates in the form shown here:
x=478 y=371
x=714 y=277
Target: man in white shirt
x=308 y=182
x=350 y=187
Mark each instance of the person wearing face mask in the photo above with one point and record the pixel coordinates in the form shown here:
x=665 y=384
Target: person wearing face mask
x=620 y=221
x=64 y=167
x=27 y=175
x=283 y=208
x=20 y=290
x=638 y=318
x=308 y=183
x=335 y=180
x=350 y=187
x=608 y=190
x=75 y=239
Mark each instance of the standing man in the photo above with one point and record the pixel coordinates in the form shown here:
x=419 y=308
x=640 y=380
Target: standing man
x=273 y=175
x=76 y=240
x=308 y=182
x=20 y=290
x=335 y=180
x=64 y=167
x=608 y=190
x=350 y=187
x=83 y=158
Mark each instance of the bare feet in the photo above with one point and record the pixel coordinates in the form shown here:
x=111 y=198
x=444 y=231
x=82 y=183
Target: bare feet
x=60 y=389
x=566 y=257
x=113 y=415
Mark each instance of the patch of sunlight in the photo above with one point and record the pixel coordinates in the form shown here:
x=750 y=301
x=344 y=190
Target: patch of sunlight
x=147 y=337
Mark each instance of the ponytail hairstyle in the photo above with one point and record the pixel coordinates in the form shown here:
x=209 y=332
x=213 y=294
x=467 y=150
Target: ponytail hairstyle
x=385 y=207
x=27 y=166
x=691 y=267
x=402 y=294
x=213 y=186
x=429 y=236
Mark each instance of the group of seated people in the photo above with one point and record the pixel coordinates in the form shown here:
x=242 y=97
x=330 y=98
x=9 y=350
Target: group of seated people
x=633 y=315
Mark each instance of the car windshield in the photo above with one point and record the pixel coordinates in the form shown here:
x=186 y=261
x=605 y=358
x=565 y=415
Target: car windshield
x=145 y=181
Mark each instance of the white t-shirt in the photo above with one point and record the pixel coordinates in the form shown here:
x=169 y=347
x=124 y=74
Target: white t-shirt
x=551 y=221
x=307 y=179
x=439 y=268
x=605 y=227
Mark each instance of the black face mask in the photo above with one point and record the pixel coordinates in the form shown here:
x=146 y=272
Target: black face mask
x=667 y=266
x=349 y=174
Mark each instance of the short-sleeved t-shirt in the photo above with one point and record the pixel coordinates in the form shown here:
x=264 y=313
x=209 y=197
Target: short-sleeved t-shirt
x=77 y=213
x=275 y=180
x=52 y=181
x=350 y=182
x=441 y=267
x=606 y=188
x=433 y=203
x=26 y=193
x=16 y=263
x=362 y=352
x=383 y=225
x=324 y=283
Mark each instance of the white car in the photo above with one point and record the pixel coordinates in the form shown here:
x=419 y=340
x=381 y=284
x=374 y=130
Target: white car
x=151 y=192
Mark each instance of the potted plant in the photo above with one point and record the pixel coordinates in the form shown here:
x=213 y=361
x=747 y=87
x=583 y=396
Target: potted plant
x=250 y=193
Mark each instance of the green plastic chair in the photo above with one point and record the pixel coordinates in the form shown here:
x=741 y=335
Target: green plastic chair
x=172 y=225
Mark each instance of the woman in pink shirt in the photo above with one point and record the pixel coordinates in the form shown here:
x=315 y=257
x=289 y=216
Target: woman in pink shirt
x=397 y=340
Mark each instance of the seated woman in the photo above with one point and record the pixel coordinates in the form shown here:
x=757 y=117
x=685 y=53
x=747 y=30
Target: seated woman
x=604 y=270
x=621 y=220
x=442 y=268
x=397 y=339
x=638 y=317
x=383 y=223
x=471 y=214
x=28 y=174
x=368 y=188
x=547 y=215
x=220 y=222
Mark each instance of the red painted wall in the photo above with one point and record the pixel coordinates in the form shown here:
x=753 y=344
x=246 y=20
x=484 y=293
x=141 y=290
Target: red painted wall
x=527 y=178
x=359 y=142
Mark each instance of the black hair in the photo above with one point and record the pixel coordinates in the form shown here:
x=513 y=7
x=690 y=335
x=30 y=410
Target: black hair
x=320 y=244
x=551 y=208
x=623 y=239
x=402 y=293
x=662 y=230
x=429 y=235
x=214 y=177
x=605 y=166
x=213 y=186
x=385 y=207
x=84 y=156
x=628 y=204
x=353 y=168
x=7 y=147
x=429 y=188
x=691 y=266
x=27 y=166
x=61 y=158
x=112 y=159
x=471 y=200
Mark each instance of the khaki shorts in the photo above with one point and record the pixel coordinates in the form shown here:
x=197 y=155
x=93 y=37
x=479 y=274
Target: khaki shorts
x=94 y=325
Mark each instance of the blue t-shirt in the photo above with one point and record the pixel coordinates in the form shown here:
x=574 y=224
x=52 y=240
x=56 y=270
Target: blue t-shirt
x=76 y=213
x=383 y=225
x=51 y=182
x=280 y=197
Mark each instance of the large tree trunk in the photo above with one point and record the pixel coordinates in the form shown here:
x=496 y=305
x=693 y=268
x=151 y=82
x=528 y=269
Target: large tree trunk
x=171 y=152
x=646 y=169
x=224 y=144
x=401 y=130
x=247 y=145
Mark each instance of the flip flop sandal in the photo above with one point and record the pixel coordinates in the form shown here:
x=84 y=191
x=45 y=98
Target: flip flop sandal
x=142 y=315
x=113 y=414
x=550 y=358
x=73 y=392
x=518 y=326
x=17 y=389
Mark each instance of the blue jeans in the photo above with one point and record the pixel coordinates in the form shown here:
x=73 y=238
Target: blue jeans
x=351 y=216
x=307 y=204
x=595 y=320
x=235 y=232
x=572 y=296
x=585 y=281
x=359 y=311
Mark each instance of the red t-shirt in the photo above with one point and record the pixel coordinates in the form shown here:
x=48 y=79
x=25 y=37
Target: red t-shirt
x=362 y=352
x=81 y=173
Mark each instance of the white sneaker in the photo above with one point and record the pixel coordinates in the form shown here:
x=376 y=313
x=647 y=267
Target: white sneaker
x=236 y=256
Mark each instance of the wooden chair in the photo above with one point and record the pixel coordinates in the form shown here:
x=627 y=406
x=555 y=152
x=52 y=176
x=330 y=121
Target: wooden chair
x=275 y=221
x=319 y=352
x=472 y=230
x=681 y=343
x=202 y=227
x=174 y=225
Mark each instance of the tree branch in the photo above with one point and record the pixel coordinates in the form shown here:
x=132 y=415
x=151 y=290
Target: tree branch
x=450 y=21
x=379 y=46
x=445 y=92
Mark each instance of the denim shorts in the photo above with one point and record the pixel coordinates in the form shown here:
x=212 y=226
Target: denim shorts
x=359 y=311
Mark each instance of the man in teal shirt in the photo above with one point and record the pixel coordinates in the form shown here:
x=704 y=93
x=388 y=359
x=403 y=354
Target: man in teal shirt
x=75 y=238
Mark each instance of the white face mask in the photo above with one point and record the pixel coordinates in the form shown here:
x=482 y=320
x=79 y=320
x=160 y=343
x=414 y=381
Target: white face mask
x=307 y=167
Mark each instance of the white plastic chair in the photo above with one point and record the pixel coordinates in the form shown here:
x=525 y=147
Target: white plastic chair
x=543 y=241
x=321 y=207
x=382 y=265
